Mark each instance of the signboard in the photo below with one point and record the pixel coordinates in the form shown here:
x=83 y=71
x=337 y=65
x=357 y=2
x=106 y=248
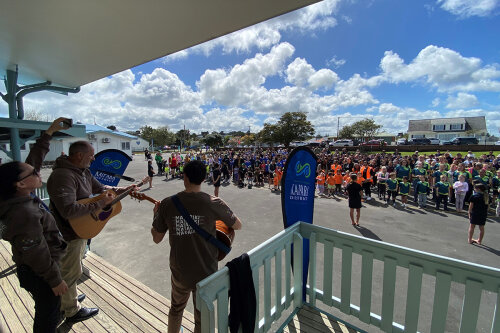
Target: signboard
x=297 y=195
x=107 y=163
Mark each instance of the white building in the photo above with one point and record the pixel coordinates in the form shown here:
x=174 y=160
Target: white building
x=448 y=128
x=101 y=138
x=139 y=144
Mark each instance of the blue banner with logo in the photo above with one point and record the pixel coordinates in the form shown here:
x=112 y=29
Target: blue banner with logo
x=297 y=195
x=107 y=163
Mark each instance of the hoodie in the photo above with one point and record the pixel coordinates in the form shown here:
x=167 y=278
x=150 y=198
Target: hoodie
x=35 y=239
x=31 y=229
x=66 y=185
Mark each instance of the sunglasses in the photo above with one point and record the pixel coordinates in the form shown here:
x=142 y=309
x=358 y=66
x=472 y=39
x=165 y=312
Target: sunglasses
x=33 y=173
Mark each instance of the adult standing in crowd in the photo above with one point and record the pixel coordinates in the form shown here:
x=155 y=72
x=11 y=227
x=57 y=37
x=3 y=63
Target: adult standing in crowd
x=27 y=224
x=69 y=182
x=192 y=258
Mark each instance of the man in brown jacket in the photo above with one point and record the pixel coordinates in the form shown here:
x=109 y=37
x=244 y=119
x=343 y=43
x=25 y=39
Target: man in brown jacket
x=69 y=182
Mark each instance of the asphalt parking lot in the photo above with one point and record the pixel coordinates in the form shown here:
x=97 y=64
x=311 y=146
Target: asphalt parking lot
x=126 y=240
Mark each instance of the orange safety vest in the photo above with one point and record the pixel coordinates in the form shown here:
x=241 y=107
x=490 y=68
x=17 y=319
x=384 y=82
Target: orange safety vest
x=368 y=174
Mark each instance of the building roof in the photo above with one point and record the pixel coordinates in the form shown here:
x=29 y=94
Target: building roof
x=96 y=128
x=425 y=125
x=71 y=43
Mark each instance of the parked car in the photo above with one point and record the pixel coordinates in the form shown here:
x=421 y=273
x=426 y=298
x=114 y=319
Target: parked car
x=462 y=141
x=497 y=143
x=401 y=142
x=374 y=143
x=419 y=141
x=435 y=141
x=342 y=143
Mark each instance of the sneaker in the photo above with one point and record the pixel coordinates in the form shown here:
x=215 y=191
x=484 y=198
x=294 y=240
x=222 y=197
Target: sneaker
x=394 y=205
x=368 y=198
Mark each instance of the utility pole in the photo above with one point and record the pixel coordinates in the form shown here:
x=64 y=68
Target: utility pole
x=338 y=126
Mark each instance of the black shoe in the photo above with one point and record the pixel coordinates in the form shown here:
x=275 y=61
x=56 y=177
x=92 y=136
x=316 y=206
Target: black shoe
x=81 y=297
x=83 y=314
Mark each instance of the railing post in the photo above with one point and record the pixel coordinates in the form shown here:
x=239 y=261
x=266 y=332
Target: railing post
x=297 y=269
x=312 y=269
x=207 y=314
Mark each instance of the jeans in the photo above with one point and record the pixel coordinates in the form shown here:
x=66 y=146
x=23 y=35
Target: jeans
x=422 y=199
x=47 y=305
x=459 y=200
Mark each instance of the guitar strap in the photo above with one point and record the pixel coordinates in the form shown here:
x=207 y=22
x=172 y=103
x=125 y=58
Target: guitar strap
x=203 y=233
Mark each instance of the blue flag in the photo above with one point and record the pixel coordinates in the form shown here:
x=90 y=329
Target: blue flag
x=297 y=195
x=107 y=163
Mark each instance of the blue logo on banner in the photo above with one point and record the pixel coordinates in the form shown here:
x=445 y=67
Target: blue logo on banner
x=303 y=169
x=109 y=161
x=297 y=196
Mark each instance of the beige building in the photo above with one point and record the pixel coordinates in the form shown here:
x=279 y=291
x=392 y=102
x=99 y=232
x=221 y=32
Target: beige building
x=448 y=128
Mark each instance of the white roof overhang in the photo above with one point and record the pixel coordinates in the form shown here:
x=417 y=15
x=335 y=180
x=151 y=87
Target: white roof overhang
x=72 y=43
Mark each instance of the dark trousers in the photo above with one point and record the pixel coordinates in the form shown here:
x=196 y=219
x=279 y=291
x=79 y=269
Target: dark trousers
x=367 y=187
x=452 y=196
x=47 y=305
x=382 y=188
x=442 y=198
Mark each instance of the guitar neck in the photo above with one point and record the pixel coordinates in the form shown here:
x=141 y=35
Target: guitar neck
x=124 y=194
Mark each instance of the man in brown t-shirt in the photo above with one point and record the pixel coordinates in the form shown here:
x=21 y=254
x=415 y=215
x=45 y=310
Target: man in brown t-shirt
x=192 y=258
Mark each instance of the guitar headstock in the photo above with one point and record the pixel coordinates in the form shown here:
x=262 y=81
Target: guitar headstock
x=141 y=196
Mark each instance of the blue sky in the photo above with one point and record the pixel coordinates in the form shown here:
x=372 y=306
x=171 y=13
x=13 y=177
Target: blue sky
x=389 y=60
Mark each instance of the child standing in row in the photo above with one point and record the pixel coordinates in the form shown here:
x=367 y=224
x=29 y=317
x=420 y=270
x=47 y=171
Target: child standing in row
x=330 y=182
x=461 y=187
x=422 y=190
x=442 y=192
x=392 y=185
x=404 y=190
x=320 y=181
x=382 y=177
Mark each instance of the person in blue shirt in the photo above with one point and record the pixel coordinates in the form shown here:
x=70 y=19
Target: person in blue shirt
x=416 y=173
x=436 y=177
x=392 y=189
x=402 y=170
x=422 y=189
x=404 y=190
x=443 y=189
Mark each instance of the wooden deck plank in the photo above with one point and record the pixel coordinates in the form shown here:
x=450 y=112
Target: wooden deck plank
x=126 y=305
x=114 y=294
x=153 y=302
x=310 y=320
x=14 y=293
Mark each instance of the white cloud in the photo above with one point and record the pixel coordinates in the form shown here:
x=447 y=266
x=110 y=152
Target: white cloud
x=468 y=8
x=462 y=100
x=442 y=68
x=435 y=102
x=335 y=63
x=302 y=74
x=264 y=35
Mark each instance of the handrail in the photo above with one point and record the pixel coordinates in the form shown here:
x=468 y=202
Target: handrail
x=476 y=280
x=42 y=193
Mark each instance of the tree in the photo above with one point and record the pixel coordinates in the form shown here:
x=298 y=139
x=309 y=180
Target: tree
x=268 y=134
x=346 y=132
x=213 y=140
x=293 y=126
x=248 y=139
x=183 y=138
x=30 y=114
x=112 y=127
x=365 y=128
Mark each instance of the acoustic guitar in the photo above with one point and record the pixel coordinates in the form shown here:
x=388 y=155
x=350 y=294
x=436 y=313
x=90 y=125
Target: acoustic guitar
x=223 y=233
x=90 y=225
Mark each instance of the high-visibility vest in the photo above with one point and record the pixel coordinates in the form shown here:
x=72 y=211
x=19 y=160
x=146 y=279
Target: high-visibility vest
x=368 y=173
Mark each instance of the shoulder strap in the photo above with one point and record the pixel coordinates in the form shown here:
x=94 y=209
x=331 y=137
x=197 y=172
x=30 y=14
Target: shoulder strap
x=203 y=233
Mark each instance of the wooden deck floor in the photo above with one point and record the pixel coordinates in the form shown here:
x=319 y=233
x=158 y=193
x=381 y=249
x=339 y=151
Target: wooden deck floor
x=125 y=304
x=311 y=320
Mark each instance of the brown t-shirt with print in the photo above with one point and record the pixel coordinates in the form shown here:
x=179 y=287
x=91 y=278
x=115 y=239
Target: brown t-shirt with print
x=192 y=258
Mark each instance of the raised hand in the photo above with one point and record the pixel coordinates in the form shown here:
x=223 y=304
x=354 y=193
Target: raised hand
x=60 y=123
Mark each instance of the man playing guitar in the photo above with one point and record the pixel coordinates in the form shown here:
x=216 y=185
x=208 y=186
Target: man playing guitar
x=192 y=258
x=69 y=182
